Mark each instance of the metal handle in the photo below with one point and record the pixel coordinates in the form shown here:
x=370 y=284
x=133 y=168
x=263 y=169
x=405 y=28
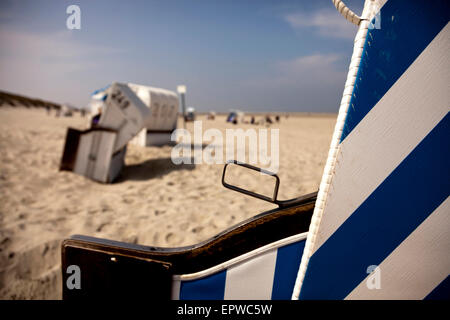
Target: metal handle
x=251 y=193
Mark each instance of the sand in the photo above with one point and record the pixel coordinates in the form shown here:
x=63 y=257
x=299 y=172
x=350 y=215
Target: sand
x=154 y=202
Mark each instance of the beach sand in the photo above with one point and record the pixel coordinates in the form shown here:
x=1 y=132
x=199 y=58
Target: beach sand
x=154 y=202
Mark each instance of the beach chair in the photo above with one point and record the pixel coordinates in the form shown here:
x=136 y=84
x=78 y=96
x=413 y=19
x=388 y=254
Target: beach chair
x=98 y=153
x=126 y=113
x=159 y=126
x=378 y=227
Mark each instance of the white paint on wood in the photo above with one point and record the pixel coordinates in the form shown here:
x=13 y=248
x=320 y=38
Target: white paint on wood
x=388 y=133
x=252 y=279
x=418 y=265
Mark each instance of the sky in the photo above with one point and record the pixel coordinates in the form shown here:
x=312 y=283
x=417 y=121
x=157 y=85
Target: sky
x=252 y=55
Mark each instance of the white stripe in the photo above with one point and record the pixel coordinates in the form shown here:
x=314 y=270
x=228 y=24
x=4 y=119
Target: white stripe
x=176 y=286
x=241 y=258
x=252 y=279
x=418 y=265
x=388 y=133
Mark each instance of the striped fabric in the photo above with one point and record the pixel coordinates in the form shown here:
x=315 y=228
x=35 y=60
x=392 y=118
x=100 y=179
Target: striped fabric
x=387 y=203
x=269 y=274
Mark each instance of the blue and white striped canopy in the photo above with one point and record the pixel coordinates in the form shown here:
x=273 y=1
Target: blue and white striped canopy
x=384 y=198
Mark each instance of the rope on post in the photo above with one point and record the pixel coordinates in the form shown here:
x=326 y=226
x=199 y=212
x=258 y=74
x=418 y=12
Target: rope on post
x=348 y=14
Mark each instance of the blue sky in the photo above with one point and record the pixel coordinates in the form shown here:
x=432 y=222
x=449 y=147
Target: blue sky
x=249 y=54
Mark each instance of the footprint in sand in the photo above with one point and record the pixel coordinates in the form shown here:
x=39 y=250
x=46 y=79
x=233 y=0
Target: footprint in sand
x=101 y=226
x=172 y=239
x=5 y=241
x=127 y=200
x=169 y=237
x=159 y=212
x=22 y=216
x=197 y=229
x=106 y=209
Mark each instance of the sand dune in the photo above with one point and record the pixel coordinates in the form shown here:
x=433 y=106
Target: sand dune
x=154 y=202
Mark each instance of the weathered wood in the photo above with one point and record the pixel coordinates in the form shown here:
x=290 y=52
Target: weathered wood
x=90 y=153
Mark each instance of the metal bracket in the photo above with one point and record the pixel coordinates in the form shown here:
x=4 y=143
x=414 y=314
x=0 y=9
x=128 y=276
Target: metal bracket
x=251 y=193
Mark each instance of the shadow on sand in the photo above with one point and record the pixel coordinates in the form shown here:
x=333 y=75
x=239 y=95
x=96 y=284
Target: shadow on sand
x=152 y=168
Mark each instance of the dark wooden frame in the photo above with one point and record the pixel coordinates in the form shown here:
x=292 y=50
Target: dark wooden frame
x=112 y=269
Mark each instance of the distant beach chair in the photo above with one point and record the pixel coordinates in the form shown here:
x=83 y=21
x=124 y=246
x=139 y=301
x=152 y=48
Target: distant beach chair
x=211 y=115
x=190 y=114
x=129 y=113
x=235 y=116
x=378 y=227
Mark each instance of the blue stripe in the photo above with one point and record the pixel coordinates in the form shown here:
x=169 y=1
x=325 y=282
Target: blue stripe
x=395 y=209
x=100 y=90
x=286 y=268
x=441 y=292
x=407 y=27
x=208 y=288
